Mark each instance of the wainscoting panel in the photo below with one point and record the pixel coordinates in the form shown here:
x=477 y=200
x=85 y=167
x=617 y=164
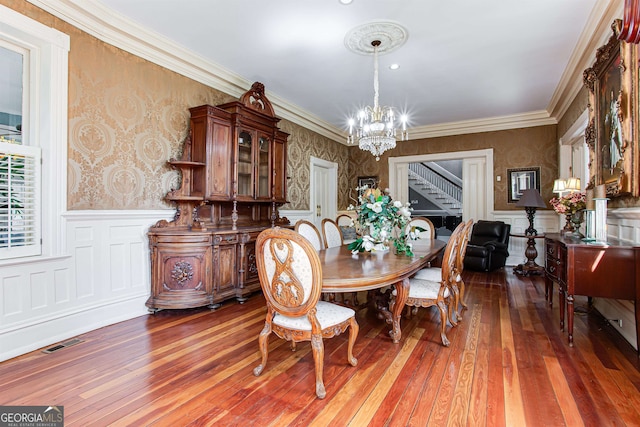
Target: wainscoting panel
x=103 y=279
x=623 y=224
x=544 y=222
x=296 y=215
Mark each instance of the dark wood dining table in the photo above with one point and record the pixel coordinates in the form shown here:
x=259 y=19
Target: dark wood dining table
x=346 y=272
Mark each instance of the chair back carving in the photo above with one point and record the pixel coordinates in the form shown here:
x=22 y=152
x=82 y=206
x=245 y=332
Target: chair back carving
x=309 y=231
x=331 y=233
x=290 y=272
x=421 y=222
x=450 y=258
x=465 y=235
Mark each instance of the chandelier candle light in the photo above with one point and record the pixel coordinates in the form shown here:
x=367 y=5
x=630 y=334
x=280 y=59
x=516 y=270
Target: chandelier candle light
x=376 y=128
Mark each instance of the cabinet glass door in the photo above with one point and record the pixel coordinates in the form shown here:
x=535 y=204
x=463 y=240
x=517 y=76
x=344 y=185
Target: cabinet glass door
x=245 y=164
x=264 y=190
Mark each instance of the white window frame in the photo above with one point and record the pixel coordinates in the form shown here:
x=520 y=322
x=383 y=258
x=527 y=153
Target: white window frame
x=45 y=123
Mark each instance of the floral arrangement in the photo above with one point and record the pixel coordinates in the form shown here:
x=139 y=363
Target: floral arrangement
x=381 y=221
x=569 y=204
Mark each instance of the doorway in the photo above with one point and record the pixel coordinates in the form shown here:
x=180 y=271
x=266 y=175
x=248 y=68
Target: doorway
x=323 y=190
x=477 y=179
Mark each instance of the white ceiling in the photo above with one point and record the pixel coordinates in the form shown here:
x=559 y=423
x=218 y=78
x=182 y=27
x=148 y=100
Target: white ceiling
x=463 y=60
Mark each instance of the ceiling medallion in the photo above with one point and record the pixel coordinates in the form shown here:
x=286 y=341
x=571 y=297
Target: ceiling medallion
x=391 y=36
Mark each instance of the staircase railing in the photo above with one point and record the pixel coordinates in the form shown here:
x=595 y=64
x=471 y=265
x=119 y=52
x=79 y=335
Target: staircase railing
x=442 y=187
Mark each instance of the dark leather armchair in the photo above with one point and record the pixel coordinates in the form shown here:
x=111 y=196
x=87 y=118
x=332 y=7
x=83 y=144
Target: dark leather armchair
x=488 y=246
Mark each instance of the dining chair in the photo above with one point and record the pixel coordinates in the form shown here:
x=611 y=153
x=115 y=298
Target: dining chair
x=457 y=286
x=425 y=224
x=344 y=220
x=309 y=231
x=348 y=228
x=291 y=279
x=331 y=233
x=427 y=293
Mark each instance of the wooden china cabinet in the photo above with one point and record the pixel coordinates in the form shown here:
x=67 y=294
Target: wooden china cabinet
x=233 y=170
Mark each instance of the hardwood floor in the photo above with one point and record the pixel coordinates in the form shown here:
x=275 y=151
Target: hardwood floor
x=508 y=365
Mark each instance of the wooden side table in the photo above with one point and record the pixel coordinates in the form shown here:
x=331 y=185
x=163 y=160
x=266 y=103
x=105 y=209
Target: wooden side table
x=530 y=267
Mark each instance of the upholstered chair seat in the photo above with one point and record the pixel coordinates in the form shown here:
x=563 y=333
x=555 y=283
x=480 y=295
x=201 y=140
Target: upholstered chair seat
x=426 y=289
x=328 y=315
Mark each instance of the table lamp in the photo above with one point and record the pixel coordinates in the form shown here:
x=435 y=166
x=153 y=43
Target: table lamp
x=530 y=201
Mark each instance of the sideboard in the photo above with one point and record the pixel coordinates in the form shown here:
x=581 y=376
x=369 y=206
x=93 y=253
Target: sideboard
x=610 y=270
x=233 y=180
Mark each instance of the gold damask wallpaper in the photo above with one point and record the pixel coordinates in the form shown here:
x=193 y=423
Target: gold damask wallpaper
x=303 y=144
x=128 y=116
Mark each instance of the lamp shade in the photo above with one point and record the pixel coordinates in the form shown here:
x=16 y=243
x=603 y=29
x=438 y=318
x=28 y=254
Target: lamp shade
x=573 y=184
x=559 y=186
x=531 y=199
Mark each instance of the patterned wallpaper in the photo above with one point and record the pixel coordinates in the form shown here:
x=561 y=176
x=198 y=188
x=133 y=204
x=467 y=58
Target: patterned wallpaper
x=302 y=144
x=127 y=117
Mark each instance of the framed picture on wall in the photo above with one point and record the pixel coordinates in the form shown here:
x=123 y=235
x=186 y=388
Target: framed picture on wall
x=522 y=179
x=611 y=135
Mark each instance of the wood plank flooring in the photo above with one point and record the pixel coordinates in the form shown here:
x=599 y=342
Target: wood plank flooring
x=508 y=365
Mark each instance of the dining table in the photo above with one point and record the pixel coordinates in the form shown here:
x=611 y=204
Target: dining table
x=344 y=271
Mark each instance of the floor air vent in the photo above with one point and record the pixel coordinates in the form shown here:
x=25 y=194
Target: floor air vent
x=62 y=345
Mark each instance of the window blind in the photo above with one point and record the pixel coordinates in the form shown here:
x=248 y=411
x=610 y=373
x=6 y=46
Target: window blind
x=20 y=184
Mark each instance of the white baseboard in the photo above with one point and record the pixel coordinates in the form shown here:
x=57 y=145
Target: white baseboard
x=103 y=278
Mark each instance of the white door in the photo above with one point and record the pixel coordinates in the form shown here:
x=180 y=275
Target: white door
x=324 y=194
x=474 y=189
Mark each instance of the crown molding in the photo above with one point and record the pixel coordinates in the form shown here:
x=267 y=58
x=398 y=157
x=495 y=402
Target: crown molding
x=535 y=118
x=112 y=28
x=595 y=33
x=121 y=32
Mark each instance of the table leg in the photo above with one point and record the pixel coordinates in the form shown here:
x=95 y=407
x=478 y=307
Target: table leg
x=396 y=307
x=548 y=290
x=570 y=318
x=561 y=303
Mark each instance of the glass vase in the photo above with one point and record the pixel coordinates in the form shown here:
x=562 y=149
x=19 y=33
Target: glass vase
x=576 y=220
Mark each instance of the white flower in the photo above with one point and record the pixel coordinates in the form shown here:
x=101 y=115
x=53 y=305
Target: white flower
x=397 y=204
x=377 y=207
x=404 y=211
x=368 y=245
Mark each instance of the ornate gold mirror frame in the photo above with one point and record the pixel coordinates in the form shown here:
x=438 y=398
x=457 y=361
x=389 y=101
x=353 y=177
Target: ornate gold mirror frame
x=611 y=134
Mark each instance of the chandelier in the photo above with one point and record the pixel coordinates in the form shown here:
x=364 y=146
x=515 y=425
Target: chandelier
x=376 y=126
